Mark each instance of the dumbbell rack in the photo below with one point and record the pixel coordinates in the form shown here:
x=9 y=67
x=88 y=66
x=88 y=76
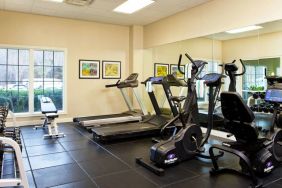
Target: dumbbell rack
x=12 y=162
x=12 y=171
x=11 y=132
x=266 y=107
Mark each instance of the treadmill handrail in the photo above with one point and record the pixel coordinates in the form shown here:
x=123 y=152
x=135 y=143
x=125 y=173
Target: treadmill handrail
x=113 y=85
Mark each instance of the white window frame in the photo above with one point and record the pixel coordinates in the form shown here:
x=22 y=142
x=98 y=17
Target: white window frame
x=31 y=49
x=262 y=57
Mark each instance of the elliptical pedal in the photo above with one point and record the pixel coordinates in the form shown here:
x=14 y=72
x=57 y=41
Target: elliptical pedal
x=151 y=167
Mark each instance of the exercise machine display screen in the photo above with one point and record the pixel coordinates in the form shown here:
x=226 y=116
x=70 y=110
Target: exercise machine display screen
x=273 y=95
x=156 y=79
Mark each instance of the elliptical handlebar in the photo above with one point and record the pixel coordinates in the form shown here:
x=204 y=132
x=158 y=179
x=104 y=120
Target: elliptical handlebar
x=193 y=62
x=243 y=67
x=238 y=74
x=223 y=65
x=197 y=69
x=179 y=64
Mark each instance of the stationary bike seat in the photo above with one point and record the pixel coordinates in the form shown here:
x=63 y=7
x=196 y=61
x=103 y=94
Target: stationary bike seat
x=178 y=98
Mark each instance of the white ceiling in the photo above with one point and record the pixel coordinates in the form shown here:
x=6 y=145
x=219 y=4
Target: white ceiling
x=101 y=10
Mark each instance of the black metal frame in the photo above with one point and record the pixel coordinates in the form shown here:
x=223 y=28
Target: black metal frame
x=108 y=61
x=90 y=61
x=168 y=94
x=162 y=64
x=170 y=70
x=216 y=170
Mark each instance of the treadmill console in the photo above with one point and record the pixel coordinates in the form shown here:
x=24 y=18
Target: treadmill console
x=131 y=78
x=154 y=80
x=130 y=81
x=273 y=95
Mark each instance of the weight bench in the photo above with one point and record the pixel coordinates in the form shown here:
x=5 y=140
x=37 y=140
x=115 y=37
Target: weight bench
x=50 y=111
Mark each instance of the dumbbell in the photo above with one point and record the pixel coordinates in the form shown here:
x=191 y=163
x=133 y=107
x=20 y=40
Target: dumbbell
x=12 y=130
x=265 y=109
x=254 y=108
x=262 y=95
x=265 y=131
x=260 y=107
x=255 y=95
x=271 y=109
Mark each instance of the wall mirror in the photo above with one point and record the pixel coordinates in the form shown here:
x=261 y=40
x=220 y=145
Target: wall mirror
x=260 y=49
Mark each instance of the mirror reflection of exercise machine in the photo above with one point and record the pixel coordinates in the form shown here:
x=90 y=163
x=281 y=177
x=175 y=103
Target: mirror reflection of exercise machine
x=274 y=97
x=230 y=70
x=131 y=115
x=267 y=112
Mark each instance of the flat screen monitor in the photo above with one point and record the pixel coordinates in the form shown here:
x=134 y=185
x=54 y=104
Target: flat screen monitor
x=273 y=95
x=156 y=79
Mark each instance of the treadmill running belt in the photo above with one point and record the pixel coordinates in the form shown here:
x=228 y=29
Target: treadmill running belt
x=128 y=130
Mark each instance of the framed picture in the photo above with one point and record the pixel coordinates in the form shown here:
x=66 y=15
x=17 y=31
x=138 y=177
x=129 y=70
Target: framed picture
x=174 y=70
x=89 y=69
x=111 y=69
x=161 y=69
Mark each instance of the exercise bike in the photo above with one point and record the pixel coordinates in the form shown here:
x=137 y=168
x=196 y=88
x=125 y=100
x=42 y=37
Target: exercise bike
x=258 y=155
x=188 y=142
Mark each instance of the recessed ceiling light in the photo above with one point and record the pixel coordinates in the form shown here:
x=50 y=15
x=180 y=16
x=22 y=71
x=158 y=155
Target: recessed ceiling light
x=244 y=29
x=56 y=1
x=131 y=6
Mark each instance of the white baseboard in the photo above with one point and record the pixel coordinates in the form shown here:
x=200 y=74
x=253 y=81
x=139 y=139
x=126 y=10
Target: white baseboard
x=35 y=122
x=216 y=133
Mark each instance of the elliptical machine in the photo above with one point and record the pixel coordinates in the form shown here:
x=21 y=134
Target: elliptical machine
x=188 y=142
x=231 y=71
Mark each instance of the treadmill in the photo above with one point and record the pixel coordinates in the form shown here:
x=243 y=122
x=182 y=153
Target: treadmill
x=149 y=126
x=129 y=116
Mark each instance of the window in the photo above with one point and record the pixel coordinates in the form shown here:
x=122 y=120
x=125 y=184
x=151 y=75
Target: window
x=14 y=68
x=254 y=78
x=211 y=67
x=48 y=77
x=27 y=74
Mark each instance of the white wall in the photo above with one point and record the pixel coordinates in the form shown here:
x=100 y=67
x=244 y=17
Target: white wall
x=212 y=17
x=83 y=40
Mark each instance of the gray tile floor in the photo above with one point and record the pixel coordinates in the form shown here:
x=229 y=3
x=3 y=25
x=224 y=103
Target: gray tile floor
x=77 y=161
